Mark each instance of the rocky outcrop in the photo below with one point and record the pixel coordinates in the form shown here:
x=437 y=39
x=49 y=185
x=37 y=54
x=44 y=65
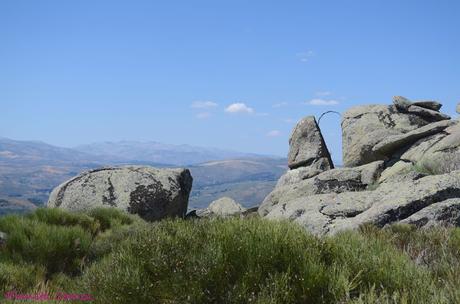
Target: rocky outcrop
x=375 y=132
x=151 y=193
x=363 y=127
x=402 y=166
x=307 y=146
x=332 y=181
x=458 y=108
x=223 y=207
x=389 y=203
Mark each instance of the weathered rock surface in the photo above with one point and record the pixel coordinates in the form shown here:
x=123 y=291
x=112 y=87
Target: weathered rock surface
x=389 y=203
x=446 y=213
x=333 y=181
x=458 y=108
x=296 y=175
x=391 y=144
x=401 y=103
x=363 y=127
x=307 y=146
x=401 y=171
x=428 y=114
x=223 y=207
x=151 y=193
x=376 y=132
x=428 y=104
x=439 y=153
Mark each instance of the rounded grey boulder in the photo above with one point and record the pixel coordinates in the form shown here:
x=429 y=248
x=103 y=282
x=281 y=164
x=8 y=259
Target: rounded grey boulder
x=222 y=207
x=151 y=193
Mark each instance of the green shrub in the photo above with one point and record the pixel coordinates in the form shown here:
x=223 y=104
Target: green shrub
x=57 y=248
x=118 y=258
x=252 y=260
x=59 y=217
x=107 y=241
x=375 y=266
x=214 y=261
x=110 y=217
x=20 y=277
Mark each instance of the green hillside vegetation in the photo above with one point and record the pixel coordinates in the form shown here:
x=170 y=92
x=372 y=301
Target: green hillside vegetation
x=118 y=258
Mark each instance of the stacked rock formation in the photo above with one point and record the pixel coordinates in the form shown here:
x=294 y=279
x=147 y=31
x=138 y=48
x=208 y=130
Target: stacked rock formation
x=402 y=164
x=151 y=193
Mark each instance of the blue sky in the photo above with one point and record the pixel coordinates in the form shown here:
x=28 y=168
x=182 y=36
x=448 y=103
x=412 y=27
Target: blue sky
x=229 y=74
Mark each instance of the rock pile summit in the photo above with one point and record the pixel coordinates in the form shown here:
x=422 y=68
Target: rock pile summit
x=402 y=164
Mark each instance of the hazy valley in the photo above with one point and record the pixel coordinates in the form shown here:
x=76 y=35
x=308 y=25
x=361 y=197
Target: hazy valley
x=29 y=170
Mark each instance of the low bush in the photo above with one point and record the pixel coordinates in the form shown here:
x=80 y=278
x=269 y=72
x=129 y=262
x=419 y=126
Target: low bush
x=57 y=240
x=20 y=277
x=118 y=258
x=59 y=217
x=57 y=248
x=110 y=217
x=252 y=260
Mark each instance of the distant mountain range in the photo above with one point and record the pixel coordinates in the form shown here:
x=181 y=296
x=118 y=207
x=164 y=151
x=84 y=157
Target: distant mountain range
x=29 y=170
x=180 y=155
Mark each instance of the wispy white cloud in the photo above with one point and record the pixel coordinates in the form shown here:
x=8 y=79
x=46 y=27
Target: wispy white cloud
x=204 y=104
x=305 y=56
x=322 y=102
x=274 y=133
x=239 y=107
x=323 y=93
x=203 y=115
x=280 y=104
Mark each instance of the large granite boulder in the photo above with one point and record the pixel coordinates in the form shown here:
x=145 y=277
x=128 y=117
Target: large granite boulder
x=458 y=108
x=376 y=132
x=292 y=186
x=222 y=207
x=151 y=193
x=307 y=147
x=390 y=203
x=363 y=127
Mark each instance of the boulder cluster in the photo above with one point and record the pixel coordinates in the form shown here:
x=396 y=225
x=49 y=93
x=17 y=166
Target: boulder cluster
x=401 y=165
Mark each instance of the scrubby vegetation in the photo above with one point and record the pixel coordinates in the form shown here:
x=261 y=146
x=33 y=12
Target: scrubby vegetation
x=118 y=258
